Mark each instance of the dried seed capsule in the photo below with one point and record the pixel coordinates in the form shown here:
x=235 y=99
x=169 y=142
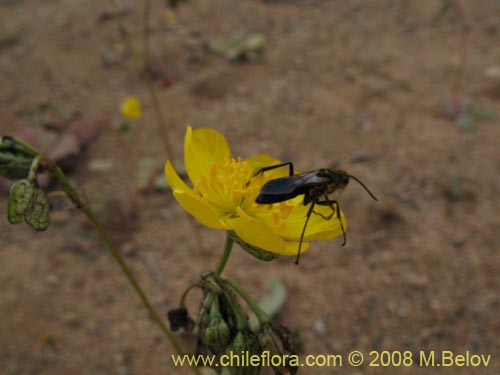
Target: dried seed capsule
x=278 y=341
x=270 y=340
x=21 y=196
x=179 y=318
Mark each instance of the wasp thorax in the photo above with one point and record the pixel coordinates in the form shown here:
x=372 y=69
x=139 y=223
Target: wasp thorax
x=338 y=179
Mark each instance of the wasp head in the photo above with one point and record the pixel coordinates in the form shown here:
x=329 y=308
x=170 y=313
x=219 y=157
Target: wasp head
x=339 y=180
x=337 y=177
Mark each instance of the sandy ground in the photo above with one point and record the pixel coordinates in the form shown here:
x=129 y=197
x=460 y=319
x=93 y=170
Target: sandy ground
x=358 y=84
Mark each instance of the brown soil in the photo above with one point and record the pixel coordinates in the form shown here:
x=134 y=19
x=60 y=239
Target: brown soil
x=356 y=84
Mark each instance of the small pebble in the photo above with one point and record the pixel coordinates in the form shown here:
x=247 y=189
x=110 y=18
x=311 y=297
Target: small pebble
x=320 y=327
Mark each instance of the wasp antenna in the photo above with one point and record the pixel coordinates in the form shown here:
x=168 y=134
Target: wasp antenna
x=364 y=186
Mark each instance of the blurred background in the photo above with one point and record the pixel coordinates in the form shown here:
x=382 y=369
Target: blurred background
x=402 y=94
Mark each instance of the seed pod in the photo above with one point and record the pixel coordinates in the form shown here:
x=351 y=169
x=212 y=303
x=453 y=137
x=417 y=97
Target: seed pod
x=37 y=215
x=278 y=341
x=270 y=340
x=245 y=342
x=21 y=196
x=253 y=250
x=215 y=333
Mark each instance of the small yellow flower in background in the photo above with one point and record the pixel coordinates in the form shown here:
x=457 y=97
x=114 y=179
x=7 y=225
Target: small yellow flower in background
x=131 y=108
x=224 y=192
x=171 y=17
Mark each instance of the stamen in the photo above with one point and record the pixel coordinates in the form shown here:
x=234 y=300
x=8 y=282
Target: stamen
x=276 y=218
x=285 y=210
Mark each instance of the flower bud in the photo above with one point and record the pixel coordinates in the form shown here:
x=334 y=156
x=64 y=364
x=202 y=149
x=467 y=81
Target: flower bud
x=253 y=250
x=244 y=342
x=216 y=335
x=278 y=341
x=215 y=332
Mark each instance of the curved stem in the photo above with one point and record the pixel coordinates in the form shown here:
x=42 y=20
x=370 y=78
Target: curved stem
x=241 y=318
x=259 y=313
x=186 y=292
x=225 y=255
x=34 y=168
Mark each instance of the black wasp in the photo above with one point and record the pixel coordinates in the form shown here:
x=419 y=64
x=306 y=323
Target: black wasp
x=314 y=185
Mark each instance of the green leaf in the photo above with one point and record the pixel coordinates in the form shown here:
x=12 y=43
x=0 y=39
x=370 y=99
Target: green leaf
x=272 y=302
x=466 y=122
x=482 y=114
x=255 y=42
x=240 y=47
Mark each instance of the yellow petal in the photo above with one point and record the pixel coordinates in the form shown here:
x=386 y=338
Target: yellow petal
x=263 y=160
x=318 y=228
x=197 y=208
x=202 y=149
x=260 y=235
x=189 y=201
x=174 y=181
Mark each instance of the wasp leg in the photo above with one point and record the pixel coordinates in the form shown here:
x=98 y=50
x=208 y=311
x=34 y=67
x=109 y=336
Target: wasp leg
x=271 y=167
x=336 y=210
x=308 y=216
x=323 y=216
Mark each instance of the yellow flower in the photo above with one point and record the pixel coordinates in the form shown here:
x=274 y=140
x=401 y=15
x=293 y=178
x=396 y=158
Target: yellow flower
x=171 y=17
x=224 y=192
x=131 y=108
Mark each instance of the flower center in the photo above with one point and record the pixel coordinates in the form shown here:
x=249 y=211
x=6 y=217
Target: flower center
x=231 y=188
x=227 y=186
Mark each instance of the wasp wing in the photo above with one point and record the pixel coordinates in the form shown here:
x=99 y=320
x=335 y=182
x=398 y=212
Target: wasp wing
x=282 y=185
x=313 y=178
x=285 y=188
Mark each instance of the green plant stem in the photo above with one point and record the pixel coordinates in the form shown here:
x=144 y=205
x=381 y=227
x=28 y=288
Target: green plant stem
x=225 y=255
x=241 y=318
x=87 y=211
x=34 y=168
x=186 y=292
x=259 y=313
